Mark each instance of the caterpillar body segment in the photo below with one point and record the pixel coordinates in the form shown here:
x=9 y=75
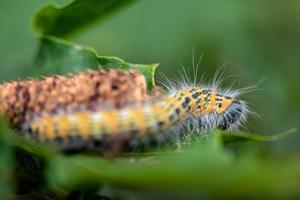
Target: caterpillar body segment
x=194 y=108
x=133 y=120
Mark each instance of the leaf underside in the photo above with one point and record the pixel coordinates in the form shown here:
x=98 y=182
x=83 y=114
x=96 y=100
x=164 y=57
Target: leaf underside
x=63 y=20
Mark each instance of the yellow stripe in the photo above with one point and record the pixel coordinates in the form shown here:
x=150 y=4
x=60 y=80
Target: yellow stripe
x=141 y=121
x=160 y=115
x=111 y=122
x=47 y=131
x=212 y=103
x=83 y=124
x=225 y=104
x=63 y=125
x=202 y=104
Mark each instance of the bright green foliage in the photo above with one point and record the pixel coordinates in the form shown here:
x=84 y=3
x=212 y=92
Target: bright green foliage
x=57 y=56
x=204 y=164
x=203 y=169
x=62 y=20
x=5 y=159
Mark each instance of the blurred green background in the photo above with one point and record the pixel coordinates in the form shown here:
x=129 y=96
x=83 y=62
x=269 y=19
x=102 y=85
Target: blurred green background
x=255 y=40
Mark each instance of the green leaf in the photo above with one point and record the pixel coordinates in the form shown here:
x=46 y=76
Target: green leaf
x=5 y=159
x=205 y=165
x=69 y=172
x=202 y=170
x=61 y=20
x=57 y=56
x=240 y=136
x=32 y=147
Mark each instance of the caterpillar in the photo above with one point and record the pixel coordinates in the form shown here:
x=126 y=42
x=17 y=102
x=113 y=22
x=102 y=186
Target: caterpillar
x=192 y=107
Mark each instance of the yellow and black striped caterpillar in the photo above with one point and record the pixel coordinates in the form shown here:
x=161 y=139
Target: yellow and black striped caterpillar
x=69 y=110
x=194 y=108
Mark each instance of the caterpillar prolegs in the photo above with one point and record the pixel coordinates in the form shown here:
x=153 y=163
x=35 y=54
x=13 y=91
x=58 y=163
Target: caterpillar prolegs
x=68 y=110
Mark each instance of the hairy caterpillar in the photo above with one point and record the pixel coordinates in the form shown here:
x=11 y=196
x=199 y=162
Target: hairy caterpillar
x=193 y=107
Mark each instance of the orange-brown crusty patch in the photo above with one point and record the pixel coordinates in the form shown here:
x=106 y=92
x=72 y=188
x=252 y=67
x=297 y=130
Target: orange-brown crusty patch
x=20 y=101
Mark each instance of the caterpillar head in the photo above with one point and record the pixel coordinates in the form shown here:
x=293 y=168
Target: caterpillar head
x=216 y=110
x=233 y=116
